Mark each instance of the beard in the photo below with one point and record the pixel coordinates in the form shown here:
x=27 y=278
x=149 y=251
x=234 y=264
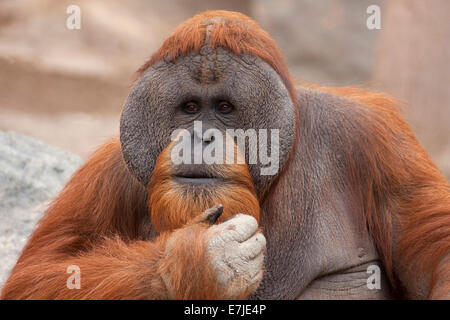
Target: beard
x=176 y=195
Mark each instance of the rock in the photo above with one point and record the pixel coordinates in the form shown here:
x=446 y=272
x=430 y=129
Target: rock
x=31 y=173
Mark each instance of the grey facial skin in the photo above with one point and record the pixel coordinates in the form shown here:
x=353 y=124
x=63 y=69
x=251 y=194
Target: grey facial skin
x=153 y=109
x=310 y=214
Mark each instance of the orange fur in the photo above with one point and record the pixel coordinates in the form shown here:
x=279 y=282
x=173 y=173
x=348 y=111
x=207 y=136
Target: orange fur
x=99 y=220
x=407 y=200
x=232 y=30
x=173 y=205
x=97 y=224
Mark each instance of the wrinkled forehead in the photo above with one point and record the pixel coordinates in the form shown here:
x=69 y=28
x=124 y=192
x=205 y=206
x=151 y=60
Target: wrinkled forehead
x=251 y=85
x=214 y=66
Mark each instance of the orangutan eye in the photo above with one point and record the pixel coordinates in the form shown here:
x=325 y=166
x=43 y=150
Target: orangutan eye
x=225 y=107
x=191 y=107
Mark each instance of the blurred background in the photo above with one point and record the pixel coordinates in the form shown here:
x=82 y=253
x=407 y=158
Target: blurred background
x=66 y=87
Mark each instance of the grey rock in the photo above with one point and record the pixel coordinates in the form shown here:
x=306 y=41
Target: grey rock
x=31 y=174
